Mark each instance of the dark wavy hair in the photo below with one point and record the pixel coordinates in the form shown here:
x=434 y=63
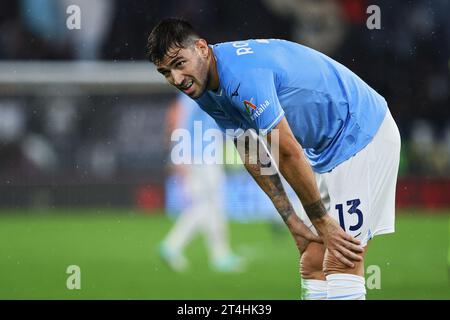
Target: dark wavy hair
x=169 y=33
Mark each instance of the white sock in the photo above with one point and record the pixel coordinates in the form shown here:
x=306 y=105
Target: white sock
x=346 y=287
x=314 y=289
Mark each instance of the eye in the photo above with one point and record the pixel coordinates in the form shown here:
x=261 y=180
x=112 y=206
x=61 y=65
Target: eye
x=180 y=63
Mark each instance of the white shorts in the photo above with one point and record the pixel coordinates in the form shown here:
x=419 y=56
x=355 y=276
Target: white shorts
x=360 y=192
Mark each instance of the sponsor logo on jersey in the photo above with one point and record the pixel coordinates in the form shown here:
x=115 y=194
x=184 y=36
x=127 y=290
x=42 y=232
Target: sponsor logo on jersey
x=254 y=111
x=249 y=106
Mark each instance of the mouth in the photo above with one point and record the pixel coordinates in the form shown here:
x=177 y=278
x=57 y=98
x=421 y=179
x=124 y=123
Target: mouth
x=187 y=88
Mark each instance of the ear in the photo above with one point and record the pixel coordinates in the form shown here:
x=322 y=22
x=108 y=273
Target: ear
x=202 y=47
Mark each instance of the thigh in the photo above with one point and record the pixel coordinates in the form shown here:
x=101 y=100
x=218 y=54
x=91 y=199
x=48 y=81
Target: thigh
x=345 y=192
x=350 y=196
x=362 y=189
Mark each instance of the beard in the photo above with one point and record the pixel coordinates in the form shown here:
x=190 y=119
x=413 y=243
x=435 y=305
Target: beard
x=204 y=79
x=203 y=85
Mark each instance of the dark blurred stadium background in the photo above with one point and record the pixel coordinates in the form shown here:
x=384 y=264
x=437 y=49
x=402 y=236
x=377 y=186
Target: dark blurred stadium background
x=82 y=135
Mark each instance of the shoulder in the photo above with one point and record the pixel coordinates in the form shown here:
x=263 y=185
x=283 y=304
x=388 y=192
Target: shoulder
x=245 y=54
x=250 y=47
x=249 y=59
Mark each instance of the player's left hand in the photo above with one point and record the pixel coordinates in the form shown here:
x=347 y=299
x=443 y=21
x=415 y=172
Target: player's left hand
x=301 y=233
x=340 y=244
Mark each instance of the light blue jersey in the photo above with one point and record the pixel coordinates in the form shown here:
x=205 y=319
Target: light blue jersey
x=331 y=111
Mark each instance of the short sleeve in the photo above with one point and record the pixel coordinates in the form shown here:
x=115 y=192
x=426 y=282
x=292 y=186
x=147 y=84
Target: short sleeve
x=256 y=98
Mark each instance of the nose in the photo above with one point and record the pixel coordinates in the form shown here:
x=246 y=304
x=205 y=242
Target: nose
x=177 y=77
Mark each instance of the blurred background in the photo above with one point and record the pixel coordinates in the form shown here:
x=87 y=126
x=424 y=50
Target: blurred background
x=84 y=153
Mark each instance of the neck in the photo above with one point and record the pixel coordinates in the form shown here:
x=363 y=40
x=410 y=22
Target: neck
x=213 y=74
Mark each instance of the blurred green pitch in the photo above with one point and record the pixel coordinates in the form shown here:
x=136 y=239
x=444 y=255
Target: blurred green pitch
x=116 y=251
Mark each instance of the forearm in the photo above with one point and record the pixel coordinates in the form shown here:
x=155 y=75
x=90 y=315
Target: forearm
x=270 y=184
x=298 y=173
x=293 y=165
x=274 y=189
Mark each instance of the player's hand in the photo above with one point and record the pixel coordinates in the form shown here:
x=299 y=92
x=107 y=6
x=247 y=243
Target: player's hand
x=340 y=244
x=301 y=233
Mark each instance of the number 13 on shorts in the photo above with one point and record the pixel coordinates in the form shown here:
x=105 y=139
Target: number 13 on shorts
x=350 y=215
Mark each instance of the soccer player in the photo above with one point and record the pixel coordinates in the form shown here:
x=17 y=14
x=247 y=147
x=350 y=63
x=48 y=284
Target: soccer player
x=338 y=145
x=201 y=183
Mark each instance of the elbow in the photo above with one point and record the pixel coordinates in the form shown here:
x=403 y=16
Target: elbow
x=290 y=154
x=291 y=159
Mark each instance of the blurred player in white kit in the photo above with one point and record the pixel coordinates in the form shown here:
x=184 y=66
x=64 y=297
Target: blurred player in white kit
x=201 y=187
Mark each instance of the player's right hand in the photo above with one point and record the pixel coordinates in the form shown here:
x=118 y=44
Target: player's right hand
x=340 y=244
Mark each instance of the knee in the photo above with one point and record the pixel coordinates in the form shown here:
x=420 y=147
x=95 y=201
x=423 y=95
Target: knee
x=332 y=265
x=311 y=262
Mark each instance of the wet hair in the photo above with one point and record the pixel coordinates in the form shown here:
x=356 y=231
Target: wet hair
x=168 y=34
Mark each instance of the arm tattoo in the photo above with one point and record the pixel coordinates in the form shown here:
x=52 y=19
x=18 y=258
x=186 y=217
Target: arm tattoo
x=271 y=184
x=315 y=210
